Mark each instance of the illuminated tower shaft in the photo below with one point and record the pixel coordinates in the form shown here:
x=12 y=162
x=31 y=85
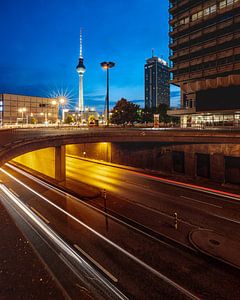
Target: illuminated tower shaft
x=80 y=99
x=81 y=70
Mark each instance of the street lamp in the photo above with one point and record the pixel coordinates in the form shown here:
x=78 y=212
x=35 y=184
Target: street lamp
x=106 y=66
x=62 y=101
x=22 y=110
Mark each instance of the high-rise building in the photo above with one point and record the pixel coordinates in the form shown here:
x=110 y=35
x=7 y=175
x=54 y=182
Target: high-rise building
x=81 y=70
x=205 y=55
x=157 y=87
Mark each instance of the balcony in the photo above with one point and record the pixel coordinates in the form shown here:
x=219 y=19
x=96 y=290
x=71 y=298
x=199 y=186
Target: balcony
x=181 y=111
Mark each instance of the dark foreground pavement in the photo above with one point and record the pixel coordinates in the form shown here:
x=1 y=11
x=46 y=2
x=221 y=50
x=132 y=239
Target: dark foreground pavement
x=22 y=273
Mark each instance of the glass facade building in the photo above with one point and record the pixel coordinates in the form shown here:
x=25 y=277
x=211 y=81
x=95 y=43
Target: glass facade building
x=157 y=86
x=205 y=61
x=20 y=109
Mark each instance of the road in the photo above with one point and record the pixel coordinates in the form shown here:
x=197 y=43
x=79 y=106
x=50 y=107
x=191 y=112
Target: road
x=195 y=209
x=125 y=255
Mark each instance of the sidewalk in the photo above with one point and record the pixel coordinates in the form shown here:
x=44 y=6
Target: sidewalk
x=22 y=274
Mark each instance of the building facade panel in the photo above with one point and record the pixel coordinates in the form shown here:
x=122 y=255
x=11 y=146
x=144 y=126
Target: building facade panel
x=20 y=109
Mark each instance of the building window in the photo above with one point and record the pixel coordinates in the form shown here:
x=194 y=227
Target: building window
x=222 y=4
x=213 y=8
x=194 y=17
x=200 y=14
x=206 y=11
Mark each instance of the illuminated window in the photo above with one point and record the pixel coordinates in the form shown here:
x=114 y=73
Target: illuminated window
x=200 y=14
x=206 y=11
x=213 y=8
x=194 y=17
x=222 y=4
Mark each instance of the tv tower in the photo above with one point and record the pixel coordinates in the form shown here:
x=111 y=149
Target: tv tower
x=81 y=70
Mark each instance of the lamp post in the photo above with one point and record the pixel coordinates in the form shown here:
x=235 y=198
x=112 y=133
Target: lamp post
x=22 y=110
x=106 y=66
x=62 y=102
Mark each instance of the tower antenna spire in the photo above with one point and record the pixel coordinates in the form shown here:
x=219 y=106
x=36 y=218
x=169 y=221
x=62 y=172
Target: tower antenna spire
x=152 y=52
x=81 y=46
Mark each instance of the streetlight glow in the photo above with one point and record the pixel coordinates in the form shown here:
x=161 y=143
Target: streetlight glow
x=62 y=100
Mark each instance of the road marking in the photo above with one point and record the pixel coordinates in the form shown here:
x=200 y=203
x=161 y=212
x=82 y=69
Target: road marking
x=227 y=219
x=97 y=264
x=210 y=204
x=40 y=215
x=11 y=190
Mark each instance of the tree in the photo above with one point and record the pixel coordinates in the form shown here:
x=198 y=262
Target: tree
x=125 y=112
x=162 y=111
x=69 y=119
x=91 y=119
x=147 y=115
x=33 y=120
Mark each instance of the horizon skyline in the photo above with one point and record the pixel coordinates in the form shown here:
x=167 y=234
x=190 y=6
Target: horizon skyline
x=53 y=73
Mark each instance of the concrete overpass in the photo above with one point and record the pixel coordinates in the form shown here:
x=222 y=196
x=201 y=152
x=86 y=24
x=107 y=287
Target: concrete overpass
x=15 y=142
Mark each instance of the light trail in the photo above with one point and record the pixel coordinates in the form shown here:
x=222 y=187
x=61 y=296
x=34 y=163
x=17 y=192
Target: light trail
x=60 y=192
x=199 y=188
x=119 y=248
x=61 y=244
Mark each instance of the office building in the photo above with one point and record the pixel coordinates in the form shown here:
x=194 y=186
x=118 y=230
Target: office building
x=205 y=56
x=157 y=87
x=20 y=109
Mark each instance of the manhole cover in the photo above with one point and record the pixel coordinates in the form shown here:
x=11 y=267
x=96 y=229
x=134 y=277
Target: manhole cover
x=214 y=242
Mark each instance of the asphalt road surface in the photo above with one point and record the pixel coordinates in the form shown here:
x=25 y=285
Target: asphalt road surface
x=141 y=266
x=195 y=209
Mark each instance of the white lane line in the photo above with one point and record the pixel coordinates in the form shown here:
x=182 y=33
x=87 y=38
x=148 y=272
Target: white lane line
x=210 y=204
x=11 y=190
x=40 y=215
x=113 y=278
x=227 y=219
x=114 y=245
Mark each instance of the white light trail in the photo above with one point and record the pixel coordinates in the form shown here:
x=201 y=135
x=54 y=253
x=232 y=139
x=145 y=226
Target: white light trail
x=120 y=249
x=58 y=241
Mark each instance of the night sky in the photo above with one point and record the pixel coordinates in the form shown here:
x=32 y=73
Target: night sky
x=40 y=46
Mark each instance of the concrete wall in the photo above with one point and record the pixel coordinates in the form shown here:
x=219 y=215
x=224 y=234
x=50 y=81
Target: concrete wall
x=42 y=161
x=159 y=156
x=221 y=165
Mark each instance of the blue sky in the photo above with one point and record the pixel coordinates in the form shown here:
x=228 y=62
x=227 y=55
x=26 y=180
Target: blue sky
x=40 y=46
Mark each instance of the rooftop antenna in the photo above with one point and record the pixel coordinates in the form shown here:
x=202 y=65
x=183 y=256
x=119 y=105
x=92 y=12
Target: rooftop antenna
x=81 y=48
x=152 y=52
